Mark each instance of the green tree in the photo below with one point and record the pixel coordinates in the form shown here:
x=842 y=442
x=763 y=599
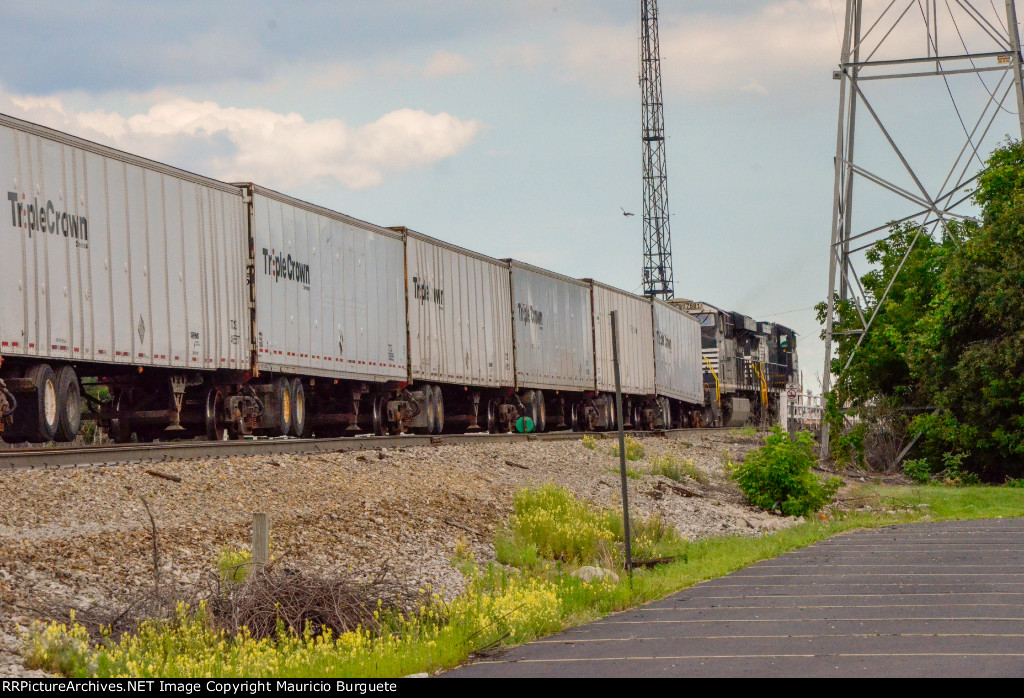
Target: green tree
x=950 y=332
x=881 y=365
x=969 y=349
x=879 y=383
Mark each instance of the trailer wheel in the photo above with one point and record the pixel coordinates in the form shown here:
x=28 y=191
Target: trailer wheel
x=492 y=416
x=380 y=415
x=283 y=404
x=298 y=399
x=215 y=429
x=540 y=412
x=69 y=401
x=438 y=410
x=38 y=415
x=611 y=416
x=666 y=413
x=431 y=408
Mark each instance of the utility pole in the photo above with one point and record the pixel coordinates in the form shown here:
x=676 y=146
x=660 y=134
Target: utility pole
x=657 y=272
x=972 y=56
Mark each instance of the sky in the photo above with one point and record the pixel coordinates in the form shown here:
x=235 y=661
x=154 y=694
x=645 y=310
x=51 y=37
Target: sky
x=508 y=127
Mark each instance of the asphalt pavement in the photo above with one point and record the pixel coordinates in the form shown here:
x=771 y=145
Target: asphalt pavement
x=933 y=599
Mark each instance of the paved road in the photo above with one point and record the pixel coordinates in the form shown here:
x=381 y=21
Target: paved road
x=942 y=599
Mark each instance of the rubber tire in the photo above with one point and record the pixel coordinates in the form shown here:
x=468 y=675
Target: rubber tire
x=283 y=407
x=214 y=428
x=492 y=417
x=611 y=416
x=431 y=410
x=540 y=410
x=380 y=415
x=34 y=424
x=299 y=416
x=438 y=410
x=69 y=405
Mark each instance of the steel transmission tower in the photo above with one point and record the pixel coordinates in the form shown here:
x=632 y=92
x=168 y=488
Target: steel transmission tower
x=658 y=279
x=893 y=51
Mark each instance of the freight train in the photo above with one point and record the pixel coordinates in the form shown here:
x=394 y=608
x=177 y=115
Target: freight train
x=172 y=305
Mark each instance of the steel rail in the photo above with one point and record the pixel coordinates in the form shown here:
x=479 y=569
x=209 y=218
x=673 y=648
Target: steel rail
x=120 y=454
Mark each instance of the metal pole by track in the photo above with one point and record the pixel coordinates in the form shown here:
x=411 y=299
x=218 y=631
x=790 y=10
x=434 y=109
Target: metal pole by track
x=622 y=443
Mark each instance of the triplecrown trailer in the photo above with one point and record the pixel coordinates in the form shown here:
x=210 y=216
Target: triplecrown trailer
x=117 y=268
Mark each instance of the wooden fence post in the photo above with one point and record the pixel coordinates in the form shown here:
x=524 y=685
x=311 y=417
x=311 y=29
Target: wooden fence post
x=260 y=541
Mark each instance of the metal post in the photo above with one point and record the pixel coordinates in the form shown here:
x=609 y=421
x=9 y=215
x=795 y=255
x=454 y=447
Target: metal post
x=838 y=211
x=1013 y=33
x=260 y=542
x=622 y=442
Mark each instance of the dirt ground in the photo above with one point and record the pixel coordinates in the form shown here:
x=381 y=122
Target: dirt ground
x=82 y=538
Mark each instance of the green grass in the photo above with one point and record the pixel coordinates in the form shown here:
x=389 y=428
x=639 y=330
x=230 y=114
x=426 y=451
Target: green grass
x=678 y=470
x=501 y=605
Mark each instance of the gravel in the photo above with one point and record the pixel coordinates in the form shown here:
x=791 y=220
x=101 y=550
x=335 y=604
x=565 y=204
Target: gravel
x=81 y=537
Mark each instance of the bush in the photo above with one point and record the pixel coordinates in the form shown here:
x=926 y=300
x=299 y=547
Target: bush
x=550 y=523
x=634 y=449
x=559 y=526
x=954 y=474
x=234 y=564
x=778 y=476
x=589 y=442
x=918 y=470
x=674 y=469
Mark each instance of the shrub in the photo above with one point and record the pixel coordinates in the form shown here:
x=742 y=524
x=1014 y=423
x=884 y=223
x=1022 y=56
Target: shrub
x=634 y=449
x=550 y=523
x=778 y=476
x=954 y=474
x=648 y=535
x=559 y=526
x=589 y=442
x=234 y=564
x=674 y=469
x=918 y=470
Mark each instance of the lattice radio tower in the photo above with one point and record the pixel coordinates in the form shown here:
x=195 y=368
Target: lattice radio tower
x=658 y=279
x=971 y=63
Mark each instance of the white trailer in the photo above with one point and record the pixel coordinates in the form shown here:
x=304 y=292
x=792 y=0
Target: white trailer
x=329 y=292
x=679 y=373
x=458 y=309
x=110 y=261
x=551 y=316
x=636 y=340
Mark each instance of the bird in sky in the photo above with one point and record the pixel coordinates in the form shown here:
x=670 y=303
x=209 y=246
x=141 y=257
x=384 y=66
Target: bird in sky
x=624 y=213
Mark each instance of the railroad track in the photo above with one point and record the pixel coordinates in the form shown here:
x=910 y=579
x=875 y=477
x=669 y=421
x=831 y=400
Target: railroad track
x=81 y=456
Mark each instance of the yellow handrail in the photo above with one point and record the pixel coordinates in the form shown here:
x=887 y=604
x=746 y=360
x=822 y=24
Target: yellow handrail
x=759 y=370
x=718 y=392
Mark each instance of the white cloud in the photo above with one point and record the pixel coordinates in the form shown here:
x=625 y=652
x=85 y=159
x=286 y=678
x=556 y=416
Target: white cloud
x=278 y=150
